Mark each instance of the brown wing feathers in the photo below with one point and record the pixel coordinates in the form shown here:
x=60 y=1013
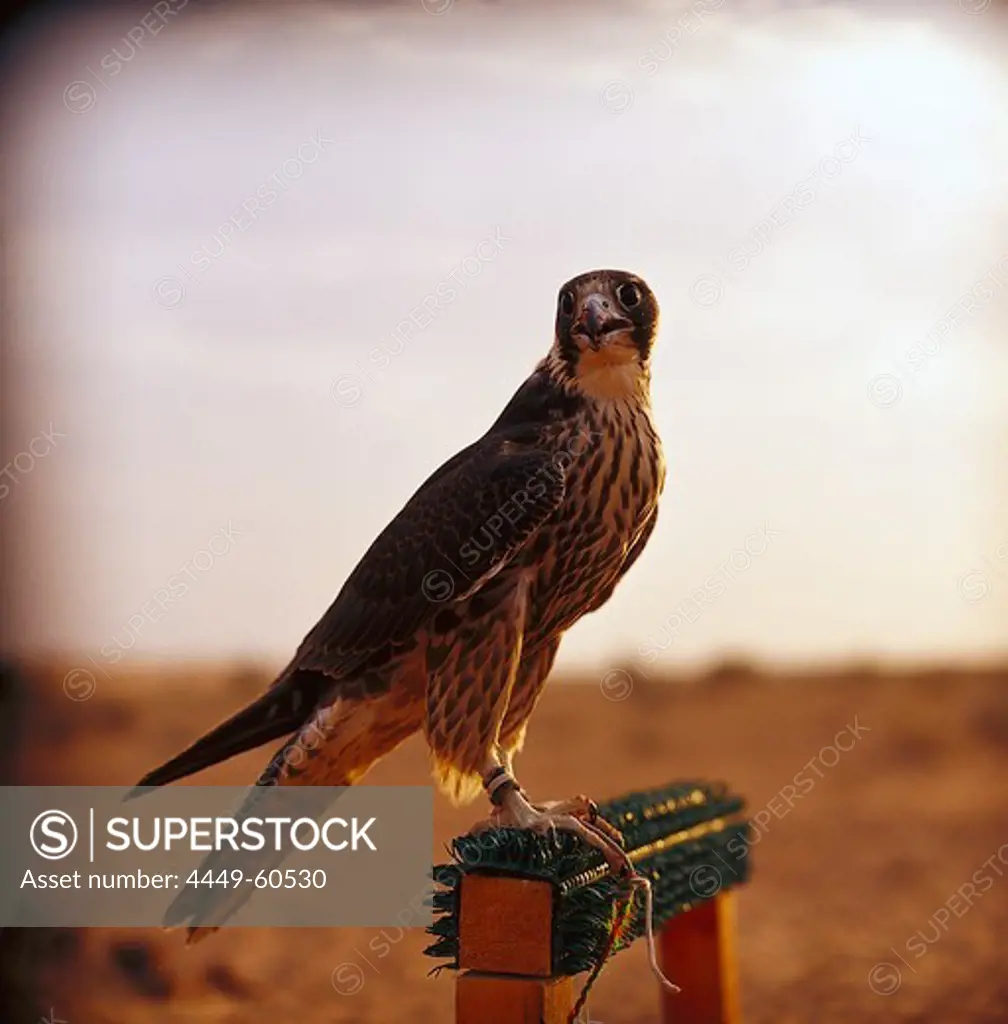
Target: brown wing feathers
x=385 y=602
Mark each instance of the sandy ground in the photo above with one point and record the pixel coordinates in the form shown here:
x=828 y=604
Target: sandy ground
x=855 y=875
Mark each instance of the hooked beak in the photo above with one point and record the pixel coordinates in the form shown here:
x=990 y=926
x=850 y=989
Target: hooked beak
x=596 y=319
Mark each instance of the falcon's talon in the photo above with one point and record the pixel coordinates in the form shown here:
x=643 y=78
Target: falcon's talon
x=555 y=816
x=611 y=831
x=579 y=806
x=583 y=808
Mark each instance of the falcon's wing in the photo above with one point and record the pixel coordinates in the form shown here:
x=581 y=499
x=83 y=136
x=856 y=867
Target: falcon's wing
x=464 y=525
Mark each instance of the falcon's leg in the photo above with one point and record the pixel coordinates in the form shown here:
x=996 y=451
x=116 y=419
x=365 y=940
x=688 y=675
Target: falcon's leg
x=580 y=816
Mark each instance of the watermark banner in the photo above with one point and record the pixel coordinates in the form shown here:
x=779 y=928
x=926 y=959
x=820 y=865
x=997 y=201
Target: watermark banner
x=276 y=856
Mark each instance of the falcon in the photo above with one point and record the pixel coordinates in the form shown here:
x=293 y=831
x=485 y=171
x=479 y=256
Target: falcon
x=451 y=621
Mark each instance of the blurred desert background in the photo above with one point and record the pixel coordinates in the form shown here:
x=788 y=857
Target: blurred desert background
x=264 y=267
x=858 y=868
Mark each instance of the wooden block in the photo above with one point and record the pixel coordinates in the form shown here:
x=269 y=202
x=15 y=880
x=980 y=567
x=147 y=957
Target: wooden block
x=697 y=952
x=506 y=925
x=503 y=999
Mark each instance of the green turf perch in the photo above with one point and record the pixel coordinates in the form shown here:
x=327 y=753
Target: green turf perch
x=522 y=913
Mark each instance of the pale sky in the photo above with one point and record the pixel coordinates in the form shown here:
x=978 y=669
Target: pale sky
x=792 y=402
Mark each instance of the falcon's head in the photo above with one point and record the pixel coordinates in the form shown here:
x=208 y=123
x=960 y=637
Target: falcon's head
x=605 y=327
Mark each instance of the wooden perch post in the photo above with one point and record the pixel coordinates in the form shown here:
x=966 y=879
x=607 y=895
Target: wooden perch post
x=696 y=950
x=506 y=954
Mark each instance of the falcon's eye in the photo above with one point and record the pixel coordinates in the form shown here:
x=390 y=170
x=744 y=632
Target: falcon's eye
x=567 y=304
x=629 y=295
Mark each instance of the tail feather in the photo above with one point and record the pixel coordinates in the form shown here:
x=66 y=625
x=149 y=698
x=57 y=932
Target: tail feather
x=280 y=711
x=203 y=911
x=351 y=734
